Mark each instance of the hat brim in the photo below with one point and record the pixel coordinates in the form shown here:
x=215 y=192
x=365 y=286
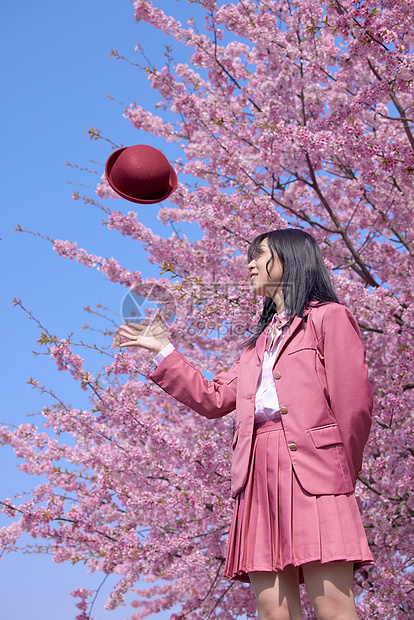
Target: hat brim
x=172 y=182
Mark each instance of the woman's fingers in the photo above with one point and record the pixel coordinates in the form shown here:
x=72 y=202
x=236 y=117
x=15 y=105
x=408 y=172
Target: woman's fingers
x=132 y=329
x=135 y=327
x=133 y=337
x=134 y=334
x=151 y=337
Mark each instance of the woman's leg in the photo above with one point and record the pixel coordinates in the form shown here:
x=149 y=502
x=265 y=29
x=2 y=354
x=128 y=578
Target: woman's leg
x=277 y=594
x=330 y=589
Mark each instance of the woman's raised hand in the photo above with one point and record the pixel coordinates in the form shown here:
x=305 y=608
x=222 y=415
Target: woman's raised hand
x=150 y=337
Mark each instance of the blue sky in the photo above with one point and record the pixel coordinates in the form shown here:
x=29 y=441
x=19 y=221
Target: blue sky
x=57 y=72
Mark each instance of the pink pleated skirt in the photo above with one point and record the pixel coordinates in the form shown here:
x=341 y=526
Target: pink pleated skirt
x=276 y=523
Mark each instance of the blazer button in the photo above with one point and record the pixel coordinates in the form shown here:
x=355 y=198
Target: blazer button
x=277 y=375
x=293 y=447
x=283 y=410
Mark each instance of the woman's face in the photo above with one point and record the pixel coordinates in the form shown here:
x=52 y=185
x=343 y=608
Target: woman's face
x=261 y=282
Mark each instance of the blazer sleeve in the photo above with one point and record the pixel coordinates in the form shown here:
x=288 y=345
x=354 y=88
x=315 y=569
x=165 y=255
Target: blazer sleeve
x=350 y=391
x=211 y=399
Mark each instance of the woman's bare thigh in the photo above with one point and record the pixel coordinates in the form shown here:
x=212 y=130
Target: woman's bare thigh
x=277 y=594
x=330 y=588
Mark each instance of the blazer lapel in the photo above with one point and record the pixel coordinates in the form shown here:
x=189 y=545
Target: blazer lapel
x=261 y=344
x=293 y=327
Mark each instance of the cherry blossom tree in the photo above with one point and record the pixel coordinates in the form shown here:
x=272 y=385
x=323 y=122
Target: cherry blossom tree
x=288 y=113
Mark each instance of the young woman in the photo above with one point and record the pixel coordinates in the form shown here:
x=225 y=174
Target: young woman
x=303 y=404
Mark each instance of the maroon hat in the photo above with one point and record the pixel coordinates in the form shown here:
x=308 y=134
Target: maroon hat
x=140 y=173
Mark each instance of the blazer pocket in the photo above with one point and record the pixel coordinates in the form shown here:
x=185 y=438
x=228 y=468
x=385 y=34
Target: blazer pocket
x=327 y=435
x=302 y=346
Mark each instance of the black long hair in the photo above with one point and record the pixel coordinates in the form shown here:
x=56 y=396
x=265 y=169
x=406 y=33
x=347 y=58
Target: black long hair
x=304 y=278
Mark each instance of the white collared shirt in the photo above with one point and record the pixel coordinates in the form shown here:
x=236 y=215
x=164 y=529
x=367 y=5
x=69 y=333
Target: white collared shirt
x=267 y=402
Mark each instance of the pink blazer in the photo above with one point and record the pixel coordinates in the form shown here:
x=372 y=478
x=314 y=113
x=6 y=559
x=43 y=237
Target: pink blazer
x=324 y=395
